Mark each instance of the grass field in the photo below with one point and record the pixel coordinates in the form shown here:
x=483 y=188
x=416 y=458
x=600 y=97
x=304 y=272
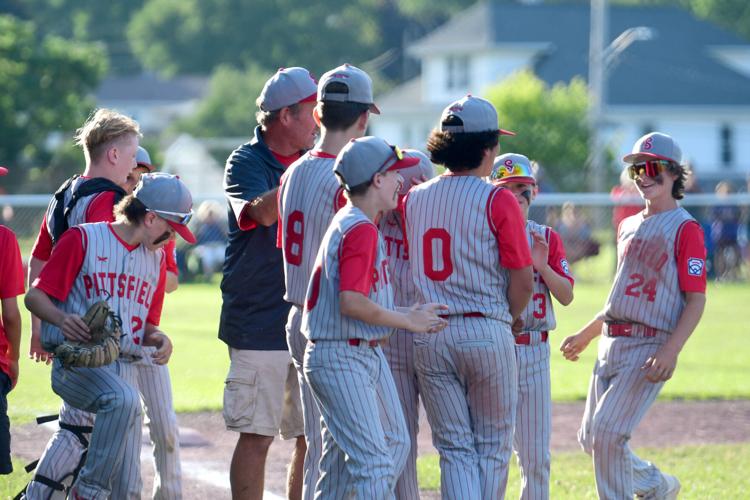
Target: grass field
x=712 y=366
x=706 y=472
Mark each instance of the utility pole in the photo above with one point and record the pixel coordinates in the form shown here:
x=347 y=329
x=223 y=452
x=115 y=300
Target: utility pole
x=597 y=93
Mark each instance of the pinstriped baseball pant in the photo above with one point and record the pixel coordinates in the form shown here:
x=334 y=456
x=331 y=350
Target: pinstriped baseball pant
x=619 y=396
x=363 y=426
x=112 y=465
x=156 y=388
x=310 y=413
x=469 y=385
x=400 y=355
x=531 y=439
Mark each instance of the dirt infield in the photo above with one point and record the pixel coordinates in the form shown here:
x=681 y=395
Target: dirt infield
x=207 y=447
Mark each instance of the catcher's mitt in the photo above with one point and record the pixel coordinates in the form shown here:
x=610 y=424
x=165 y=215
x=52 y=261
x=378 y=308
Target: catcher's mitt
x=105 y=328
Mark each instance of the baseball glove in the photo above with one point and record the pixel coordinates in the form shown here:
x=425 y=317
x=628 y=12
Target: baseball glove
x=105 y=328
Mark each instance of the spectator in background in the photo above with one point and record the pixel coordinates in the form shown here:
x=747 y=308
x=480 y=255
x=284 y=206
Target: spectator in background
x=576 y=234
x=725 y=225
x=211 y=237
x=626 y=189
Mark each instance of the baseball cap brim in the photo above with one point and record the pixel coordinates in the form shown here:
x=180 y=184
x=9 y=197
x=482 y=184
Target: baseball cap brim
x=183 y=231
x=148 y=166
x=311 y=98
x=405 y=163
x=3 y=171
x=518 y=179
x=506 y=132
x=374 y=109
x=635 y=157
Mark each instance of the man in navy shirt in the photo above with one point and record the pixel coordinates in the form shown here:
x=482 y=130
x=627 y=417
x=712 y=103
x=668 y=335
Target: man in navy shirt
x=261 y=394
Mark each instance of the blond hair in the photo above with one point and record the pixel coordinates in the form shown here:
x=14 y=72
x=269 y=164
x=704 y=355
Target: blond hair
x=101 y=129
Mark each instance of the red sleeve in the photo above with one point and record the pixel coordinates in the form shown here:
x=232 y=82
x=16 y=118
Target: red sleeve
x=507 y=221
x=11 y=267
x=43 y=244
x=279 y=226
x=340 y=200
x=357 y=258
x=61 y=270
x=245 y=222
x=690 y=252
x=154 y=313
x=170 y=255
x=101 y=208
x=556 y=258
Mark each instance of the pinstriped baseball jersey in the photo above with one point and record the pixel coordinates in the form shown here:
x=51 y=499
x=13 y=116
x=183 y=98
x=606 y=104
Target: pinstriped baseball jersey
x=454 y=251
x=308 y=200
x=646 y=289
x=126 y=278
x=405 y=293
x=322 y=318
x=78 y=214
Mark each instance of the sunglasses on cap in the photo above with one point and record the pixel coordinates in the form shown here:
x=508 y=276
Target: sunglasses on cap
x=178 y=217
x=397 y=153
x=651 y=168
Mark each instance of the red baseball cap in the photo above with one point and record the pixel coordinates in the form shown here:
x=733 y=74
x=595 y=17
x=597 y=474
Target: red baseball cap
x=3 y=171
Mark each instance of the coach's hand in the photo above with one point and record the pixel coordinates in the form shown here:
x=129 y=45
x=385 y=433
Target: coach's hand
x=163 y=348
x=660 y=367
x=74 y=328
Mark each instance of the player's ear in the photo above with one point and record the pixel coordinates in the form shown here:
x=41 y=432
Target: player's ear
x=112 y=153
x=316 y=115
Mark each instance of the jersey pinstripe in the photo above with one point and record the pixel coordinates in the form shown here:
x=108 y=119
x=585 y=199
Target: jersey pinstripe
x=127 y=280
x=322 y=318
x=646 y=288
x=307 y=203
x=405 y=292
x=454 y=252
x=539 y=314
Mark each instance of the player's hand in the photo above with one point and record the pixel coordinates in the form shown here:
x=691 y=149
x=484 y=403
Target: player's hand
x=572 y=347
x=36 y=351
x=660 y=367
x=424 y=318
x=13 y=373
x=74 y=328
x=163 y=348
x=539 y=252
x=517 y=326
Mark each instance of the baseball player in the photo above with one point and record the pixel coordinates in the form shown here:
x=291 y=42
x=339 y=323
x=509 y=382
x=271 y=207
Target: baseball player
x=348 y=311
x=65 y=450
x=11 y=286
x=468 y=249
x=552 y=278
x=655 y=303
x=309 y=197
x=399 y=351
x=122 y=263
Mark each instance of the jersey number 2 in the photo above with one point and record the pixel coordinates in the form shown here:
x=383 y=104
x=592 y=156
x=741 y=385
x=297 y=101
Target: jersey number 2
x=437 y=240
x=638 y=286
x=295 y=233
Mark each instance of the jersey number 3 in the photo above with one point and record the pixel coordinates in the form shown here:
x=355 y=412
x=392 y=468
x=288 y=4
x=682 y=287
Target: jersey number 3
x=638 y=286
x=295 y=233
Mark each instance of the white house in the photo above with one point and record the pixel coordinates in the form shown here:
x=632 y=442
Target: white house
x=692 y=80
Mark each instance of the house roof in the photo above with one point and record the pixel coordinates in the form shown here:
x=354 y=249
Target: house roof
x=149 y=87
x=674 y=68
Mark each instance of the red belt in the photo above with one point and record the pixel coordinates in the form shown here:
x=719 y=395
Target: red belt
x=357 y=342
x=525 y=338
x=630 y=330
x=465 y=315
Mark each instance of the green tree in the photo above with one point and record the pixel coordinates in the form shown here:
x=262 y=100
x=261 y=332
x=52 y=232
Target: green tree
x=45 y=82
x=550 y=123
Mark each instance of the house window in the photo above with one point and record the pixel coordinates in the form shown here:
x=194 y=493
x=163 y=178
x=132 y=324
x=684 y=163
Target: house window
x=727 y=153
x=458 y=73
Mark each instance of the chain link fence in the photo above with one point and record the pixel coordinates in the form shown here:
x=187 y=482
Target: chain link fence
x=586 y=223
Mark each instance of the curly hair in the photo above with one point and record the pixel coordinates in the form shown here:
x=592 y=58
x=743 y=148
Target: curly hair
x=682 y=173
x=460 y=151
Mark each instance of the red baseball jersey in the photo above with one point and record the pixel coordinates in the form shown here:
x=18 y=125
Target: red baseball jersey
x=539 y=314
x=309 y=197
x=351 y=258
x=404 y=290
x=463 y=234
x=659 y=259
x=11 y=282
x=91 y=263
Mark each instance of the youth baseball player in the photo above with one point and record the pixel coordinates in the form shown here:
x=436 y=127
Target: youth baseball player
x=468 y=249
x=122 y=263
x=552 y=278
x=65 y=450
x=399 y=351
x=309 y=197
x=348 y=311
x=655 y=303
